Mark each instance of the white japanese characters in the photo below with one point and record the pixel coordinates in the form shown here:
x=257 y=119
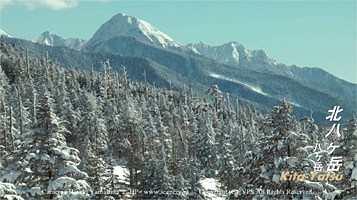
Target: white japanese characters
x=335 y=162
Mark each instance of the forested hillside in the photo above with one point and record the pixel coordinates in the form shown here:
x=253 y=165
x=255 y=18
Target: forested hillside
x=259 y=90
x=64 y=130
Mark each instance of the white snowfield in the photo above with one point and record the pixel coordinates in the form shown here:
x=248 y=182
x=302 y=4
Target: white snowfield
x=125 y=25
x=254 y=88
x=8 y=191
x=209 y=185
x=211 y=190
x=230 y=53
x=121 y=172
x=235 y=54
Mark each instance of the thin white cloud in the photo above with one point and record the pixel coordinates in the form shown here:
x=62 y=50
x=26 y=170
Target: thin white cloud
x=52 y=4
x=3 y=3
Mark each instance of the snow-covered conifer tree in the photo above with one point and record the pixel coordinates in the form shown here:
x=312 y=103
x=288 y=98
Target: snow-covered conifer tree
x=53 y=165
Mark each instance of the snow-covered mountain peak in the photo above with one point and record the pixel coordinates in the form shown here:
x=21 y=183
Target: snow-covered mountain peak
x=231 y=53
x=263 y=56
x=46 y=38
x=50 y=39
x=3 y=33
x=235 y=54
x=126 y=25
x=47 y=33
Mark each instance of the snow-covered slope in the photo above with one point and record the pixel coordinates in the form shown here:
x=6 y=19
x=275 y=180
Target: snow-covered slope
x=253 y=88
x=50 y=39
x=210 y=189
x=125 y=25
x=237 y=55
x=3 y=33
x=131 y=36
x=230 y=53
x=121 y=171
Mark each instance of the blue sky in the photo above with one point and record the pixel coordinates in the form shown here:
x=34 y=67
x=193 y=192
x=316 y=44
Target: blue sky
x=308 y=34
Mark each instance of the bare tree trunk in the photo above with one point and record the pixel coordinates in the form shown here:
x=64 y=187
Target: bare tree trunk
x=143 y=147
x=11 y=133
x=241 y=138
x=92 y=78
x=136 y=177
x=184 y=94
x=20 y=111
x=216 y=103
x=95 y=141
x=124 y=75
x=27 y=63
x=50 y=177
x=34 y=109
x=47 y=61
x=131 y=168
x=237 y=110
x=4 y=123
x=113 y=177
x=229 y=106
x=5 y=140
x=170 y=89
x=229 y=179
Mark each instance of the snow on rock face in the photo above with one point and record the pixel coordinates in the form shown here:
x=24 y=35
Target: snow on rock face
x=125 y=25
x=237 y=55
x=50 y=39
x=3 y=33
x=230 y=53
x=233 y=54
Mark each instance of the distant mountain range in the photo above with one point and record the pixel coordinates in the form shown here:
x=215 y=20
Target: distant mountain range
x=252 y=75
x=47 y=38
x=232 y=53
x=236 y=55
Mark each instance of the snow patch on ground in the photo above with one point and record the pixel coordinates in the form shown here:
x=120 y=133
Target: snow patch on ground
x=333 y=194
x=121 y=172
x=254 y=88
x=210 y=189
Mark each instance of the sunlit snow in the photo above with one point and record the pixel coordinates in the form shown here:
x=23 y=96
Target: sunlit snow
x=3 y=33
x=254 y=88
x=121 y=172
x=122 y=24
x=211 y=190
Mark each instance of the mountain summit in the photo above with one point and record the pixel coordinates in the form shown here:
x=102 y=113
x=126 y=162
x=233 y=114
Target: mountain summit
x=50 y=39
x=231 y=53
x=125 y=25
x=236 y=55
